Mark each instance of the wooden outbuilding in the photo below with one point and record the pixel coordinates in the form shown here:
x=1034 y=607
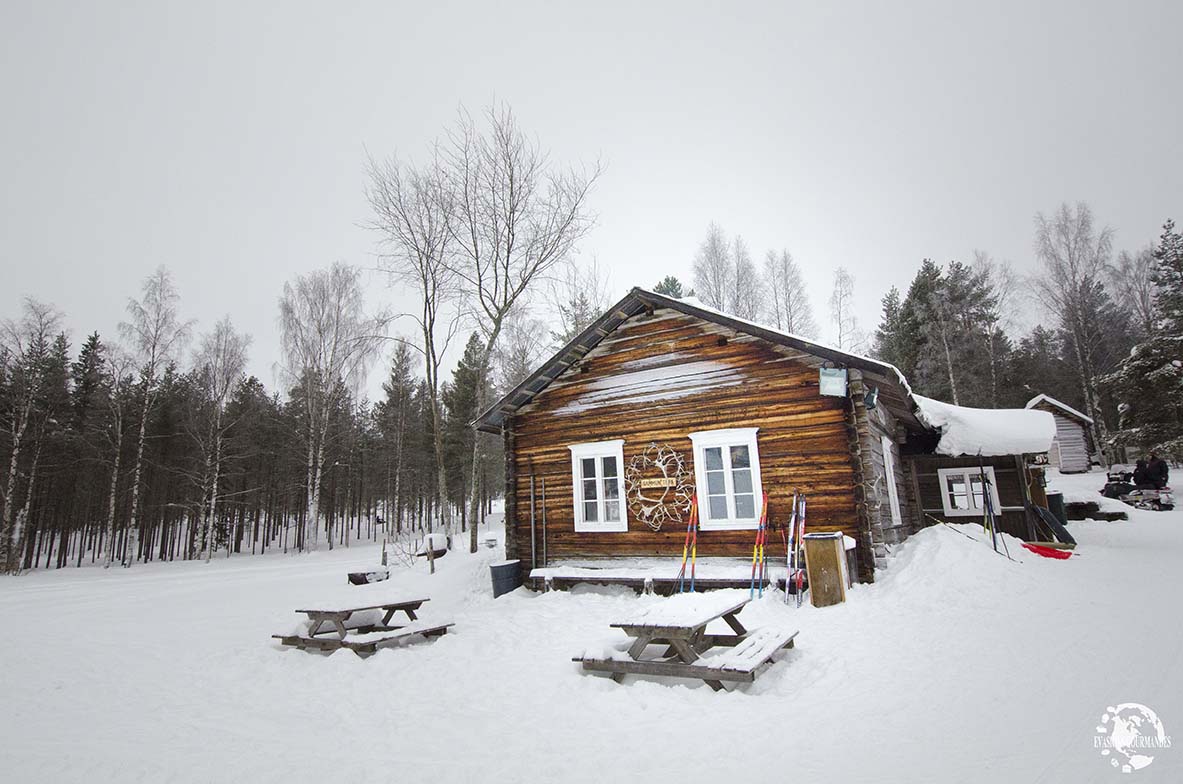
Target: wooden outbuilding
x=662 y=399
x=1072 y=450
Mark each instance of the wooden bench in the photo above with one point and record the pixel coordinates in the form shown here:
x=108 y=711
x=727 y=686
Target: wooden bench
x=365 y=643
x=690 y=652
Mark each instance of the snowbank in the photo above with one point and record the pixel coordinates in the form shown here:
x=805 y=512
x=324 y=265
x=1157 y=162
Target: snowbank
x=987 y=431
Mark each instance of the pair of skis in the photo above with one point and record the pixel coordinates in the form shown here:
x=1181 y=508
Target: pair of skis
x=759 y=558
x=690 y=548
x=794 y=550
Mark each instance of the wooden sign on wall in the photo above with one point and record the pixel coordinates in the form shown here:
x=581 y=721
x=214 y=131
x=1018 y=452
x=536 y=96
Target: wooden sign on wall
x=658 y=486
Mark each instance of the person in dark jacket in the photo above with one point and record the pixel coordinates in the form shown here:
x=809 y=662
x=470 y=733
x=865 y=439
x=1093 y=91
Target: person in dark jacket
x=1142 y=478
x=1157 y=471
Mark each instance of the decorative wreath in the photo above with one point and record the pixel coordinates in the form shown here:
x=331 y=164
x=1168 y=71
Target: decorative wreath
x=671 y=499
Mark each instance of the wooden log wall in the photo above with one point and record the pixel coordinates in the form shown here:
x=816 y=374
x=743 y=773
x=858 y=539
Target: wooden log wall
x=656 y=379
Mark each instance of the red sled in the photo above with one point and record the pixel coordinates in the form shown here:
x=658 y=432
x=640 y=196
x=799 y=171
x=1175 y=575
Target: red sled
x=1048 y=552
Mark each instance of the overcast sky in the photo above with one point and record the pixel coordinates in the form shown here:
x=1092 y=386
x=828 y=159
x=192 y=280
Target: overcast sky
x=227 y=141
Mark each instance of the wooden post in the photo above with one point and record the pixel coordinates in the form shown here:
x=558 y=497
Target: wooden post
x=859 y=428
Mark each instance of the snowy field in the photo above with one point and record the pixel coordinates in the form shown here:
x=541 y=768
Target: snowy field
x=959 y=665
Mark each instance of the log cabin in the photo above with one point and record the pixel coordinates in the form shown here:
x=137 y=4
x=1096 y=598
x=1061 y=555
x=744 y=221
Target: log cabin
x=662 y=400
x=1072 y=449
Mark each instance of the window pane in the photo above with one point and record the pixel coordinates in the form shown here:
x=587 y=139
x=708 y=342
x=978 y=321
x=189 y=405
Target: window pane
x=718 y=507
x=590 y=512
x=589 y=467
x=713 y=458
x=740 y=457
x=976 y=488
x=742 y=480
x=609 y=466
x=745 y=506
x=715 y=483
x=611 y=487
x=589 y=490
x=958 y=492
x=612 y=511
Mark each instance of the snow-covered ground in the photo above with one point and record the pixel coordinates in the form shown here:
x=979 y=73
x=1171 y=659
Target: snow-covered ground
x=958 y=665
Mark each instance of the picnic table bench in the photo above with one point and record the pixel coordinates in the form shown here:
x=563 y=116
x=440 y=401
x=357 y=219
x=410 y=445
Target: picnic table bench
x=360 y=628
x=679 y=625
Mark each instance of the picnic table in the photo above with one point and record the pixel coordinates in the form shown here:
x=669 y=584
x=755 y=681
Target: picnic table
x=360 y=628
x=679 y=625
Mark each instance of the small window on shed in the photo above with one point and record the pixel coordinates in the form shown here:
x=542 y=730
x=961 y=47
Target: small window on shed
x=963 y=493
x=727 y=475
x=596 y=470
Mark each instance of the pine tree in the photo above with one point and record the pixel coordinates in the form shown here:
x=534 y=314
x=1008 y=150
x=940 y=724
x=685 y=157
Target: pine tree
x=1148 y=384
x=889 y=336
x=1168 y=276
x=460 y=397
x=670 y=287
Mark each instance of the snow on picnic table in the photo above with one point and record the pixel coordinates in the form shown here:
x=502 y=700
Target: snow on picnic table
x=687 y=609
x=958 y=665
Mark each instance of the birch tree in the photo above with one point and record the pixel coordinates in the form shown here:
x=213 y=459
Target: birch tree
x=515 y=217
x=328 y=341
x=746 y=300
x=412 y=209
x=1074 y=256
x=1132 y=278
x=999 y=283
x=220 y=364
x=119 y=371
x=842 y=315
x=787 y=300
x=26 y=347
x=580 y=295
x=156 y=335
x=713 y=271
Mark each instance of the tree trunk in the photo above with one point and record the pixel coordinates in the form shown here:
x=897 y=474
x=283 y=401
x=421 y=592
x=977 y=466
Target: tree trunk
x=10 y=557
x=132 y=539
x=18 y=527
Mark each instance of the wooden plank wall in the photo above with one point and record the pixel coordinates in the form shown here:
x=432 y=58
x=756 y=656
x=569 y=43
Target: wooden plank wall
x=1011 y=494
x=656 y=379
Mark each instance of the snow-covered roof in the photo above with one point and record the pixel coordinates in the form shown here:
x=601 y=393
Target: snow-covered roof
x=1051 y=401
x=987 y=431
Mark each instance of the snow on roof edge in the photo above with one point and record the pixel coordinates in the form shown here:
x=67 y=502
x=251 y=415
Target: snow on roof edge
x=988 y=432
x=1052 y=401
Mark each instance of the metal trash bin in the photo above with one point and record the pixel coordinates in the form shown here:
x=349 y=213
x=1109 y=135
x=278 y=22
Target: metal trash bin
x=507 y=576
x=1055 y=505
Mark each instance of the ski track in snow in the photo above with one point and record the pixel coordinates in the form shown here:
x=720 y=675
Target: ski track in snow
x=958 y=665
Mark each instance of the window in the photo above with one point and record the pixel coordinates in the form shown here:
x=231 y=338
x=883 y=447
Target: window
x=893 y=493
x=596 y=471
x=963 y=493
x=727 y=474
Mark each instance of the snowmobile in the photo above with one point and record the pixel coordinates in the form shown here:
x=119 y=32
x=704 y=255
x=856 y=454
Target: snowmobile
x=1119 y=484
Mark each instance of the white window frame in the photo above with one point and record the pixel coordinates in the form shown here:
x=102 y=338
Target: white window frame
x=738 y=436
x=597 y=450
x=968 y=473
x=893 y=492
